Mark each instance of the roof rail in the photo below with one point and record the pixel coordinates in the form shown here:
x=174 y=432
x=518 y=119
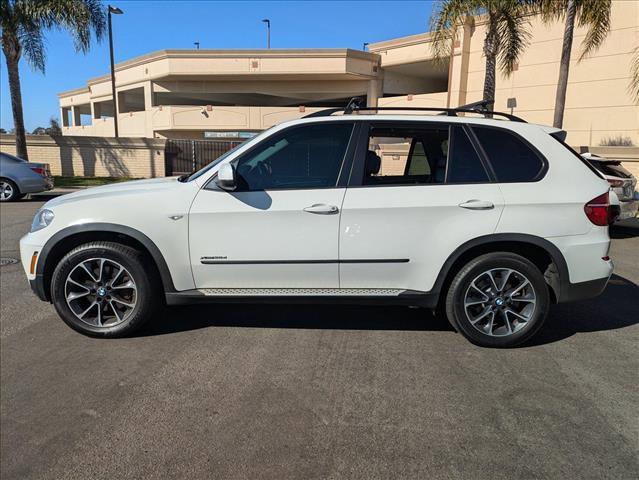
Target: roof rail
x=355 y=105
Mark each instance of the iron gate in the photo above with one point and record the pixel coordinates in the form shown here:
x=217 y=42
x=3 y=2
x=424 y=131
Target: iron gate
x=187 y=156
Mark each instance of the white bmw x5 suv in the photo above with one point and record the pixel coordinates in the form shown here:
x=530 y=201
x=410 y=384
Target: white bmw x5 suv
x=489 y=221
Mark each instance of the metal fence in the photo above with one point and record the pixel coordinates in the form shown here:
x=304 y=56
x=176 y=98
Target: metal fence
x=187 y=156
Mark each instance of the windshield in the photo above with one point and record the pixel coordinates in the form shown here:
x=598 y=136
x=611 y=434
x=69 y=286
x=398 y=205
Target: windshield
x=225 y=155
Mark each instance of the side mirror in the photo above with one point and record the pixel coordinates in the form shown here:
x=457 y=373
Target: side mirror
x=226 y=177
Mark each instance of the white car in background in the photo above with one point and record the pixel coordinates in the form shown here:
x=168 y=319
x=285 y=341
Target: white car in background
x=476 y=218
x=621 y=181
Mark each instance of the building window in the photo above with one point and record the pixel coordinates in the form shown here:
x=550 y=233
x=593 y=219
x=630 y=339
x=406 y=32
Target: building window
x=131 y=100
x=103 y=109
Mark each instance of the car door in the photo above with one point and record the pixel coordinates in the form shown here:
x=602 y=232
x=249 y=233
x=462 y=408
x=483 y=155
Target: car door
x=417 y=192
x=279 y=229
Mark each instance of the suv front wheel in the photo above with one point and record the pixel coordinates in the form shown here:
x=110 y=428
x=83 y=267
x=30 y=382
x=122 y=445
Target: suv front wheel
x=103 y=289
x=498 y=299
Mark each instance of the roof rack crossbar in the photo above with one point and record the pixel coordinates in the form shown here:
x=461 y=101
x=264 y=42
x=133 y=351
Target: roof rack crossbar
x=482 y=107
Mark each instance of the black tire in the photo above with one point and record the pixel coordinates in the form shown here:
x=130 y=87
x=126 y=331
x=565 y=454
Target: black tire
x=141 y=272
x=15 y=191
x=501 y=338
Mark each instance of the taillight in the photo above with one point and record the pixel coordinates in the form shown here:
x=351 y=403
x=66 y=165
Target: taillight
x=598 y=210
x=615 y=183
x=39 y=171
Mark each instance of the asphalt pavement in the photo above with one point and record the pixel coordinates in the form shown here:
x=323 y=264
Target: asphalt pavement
x=248 y=391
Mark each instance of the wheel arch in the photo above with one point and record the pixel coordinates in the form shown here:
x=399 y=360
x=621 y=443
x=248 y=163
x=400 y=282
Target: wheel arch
x=68 y=238
x=546 y=256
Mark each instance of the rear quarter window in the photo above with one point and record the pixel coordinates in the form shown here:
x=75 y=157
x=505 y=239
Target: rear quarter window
x=512 y=159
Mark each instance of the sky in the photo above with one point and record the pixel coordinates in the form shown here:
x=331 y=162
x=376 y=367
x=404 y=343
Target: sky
x=147 y=26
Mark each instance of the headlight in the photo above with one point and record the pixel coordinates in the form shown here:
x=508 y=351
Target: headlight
x=42 y=219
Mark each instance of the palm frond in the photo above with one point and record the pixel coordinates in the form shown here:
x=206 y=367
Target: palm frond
x=634 y=75
x=513 y=34
x=81 y=18
x=31 y=40
x=550 y=11
x=447 y=17
x=595 y=16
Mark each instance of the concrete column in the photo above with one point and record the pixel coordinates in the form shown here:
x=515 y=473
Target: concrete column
x=63 y=117
x=148 y=107
x=372 y=92
x=76 y=116
x=462 y=84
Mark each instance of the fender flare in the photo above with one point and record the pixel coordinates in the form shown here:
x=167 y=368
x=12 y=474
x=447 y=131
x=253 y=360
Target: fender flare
x=156 y=254
x=558 y=284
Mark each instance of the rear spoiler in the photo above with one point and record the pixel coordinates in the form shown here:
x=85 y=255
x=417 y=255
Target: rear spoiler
x=559 y=135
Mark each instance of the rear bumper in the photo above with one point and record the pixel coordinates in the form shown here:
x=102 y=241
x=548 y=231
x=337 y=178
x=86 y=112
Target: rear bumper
x=572 y=292
x=628 y=209
x=36 y=185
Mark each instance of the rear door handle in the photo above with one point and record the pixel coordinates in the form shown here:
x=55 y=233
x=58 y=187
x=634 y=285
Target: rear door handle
x=322 y=209
x=477 y=205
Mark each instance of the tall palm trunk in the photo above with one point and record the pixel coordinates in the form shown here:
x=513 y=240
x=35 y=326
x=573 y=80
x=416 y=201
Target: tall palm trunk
x=11 y=49
x=564 y=66
x=490 y=52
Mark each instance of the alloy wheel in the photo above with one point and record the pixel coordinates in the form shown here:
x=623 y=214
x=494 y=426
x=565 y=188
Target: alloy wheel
x=500 y=302
x=101 y=292
x=6 y=190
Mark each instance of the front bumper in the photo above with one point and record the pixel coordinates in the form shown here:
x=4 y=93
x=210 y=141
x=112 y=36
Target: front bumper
x=37 y=287
x=29 y=247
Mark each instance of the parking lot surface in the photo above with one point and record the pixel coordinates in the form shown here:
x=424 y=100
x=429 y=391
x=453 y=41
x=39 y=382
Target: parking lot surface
x=278 y=391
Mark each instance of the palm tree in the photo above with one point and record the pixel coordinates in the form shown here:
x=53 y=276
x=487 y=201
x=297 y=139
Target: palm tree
x=591 y=14
x=506 y=33
x=23 y=25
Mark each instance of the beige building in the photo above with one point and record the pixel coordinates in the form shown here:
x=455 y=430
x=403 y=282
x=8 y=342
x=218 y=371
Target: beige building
x=231 y=93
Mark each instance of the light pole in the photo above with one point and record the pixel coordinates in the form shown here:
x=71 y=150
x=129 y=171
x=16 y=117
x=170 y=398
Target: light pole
x=365 y=46
x=116 y=11
x=268 y=32
x=197 y=45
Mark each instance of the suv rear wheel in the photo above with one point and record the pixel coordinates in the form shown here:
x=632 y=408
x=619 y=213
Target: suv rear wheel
x=103 y=289
x=499 y=299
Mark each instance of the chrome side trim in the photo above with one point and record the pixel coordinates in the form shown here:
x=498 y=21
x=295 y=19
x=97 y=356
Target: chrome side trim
x=295 y=292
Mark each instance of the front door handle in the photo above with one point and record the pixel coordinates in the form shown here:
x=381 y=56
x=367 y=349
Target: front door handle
x=322 y=209
x=477 y=205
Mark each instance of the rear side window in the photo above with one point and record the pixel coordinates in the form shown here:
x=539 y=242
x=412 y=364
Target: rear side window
x=511 y=158
x=464 y=165
x=406 y=155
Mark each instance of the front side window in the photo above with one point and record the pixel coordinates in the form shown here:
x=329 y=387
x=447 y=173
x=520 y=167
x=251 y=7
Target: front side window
x=308 y=156
x=511 y=158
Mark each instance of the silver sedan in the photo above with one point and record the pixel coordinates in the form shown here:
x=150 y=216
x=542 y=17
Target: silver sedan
x=19 y=177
